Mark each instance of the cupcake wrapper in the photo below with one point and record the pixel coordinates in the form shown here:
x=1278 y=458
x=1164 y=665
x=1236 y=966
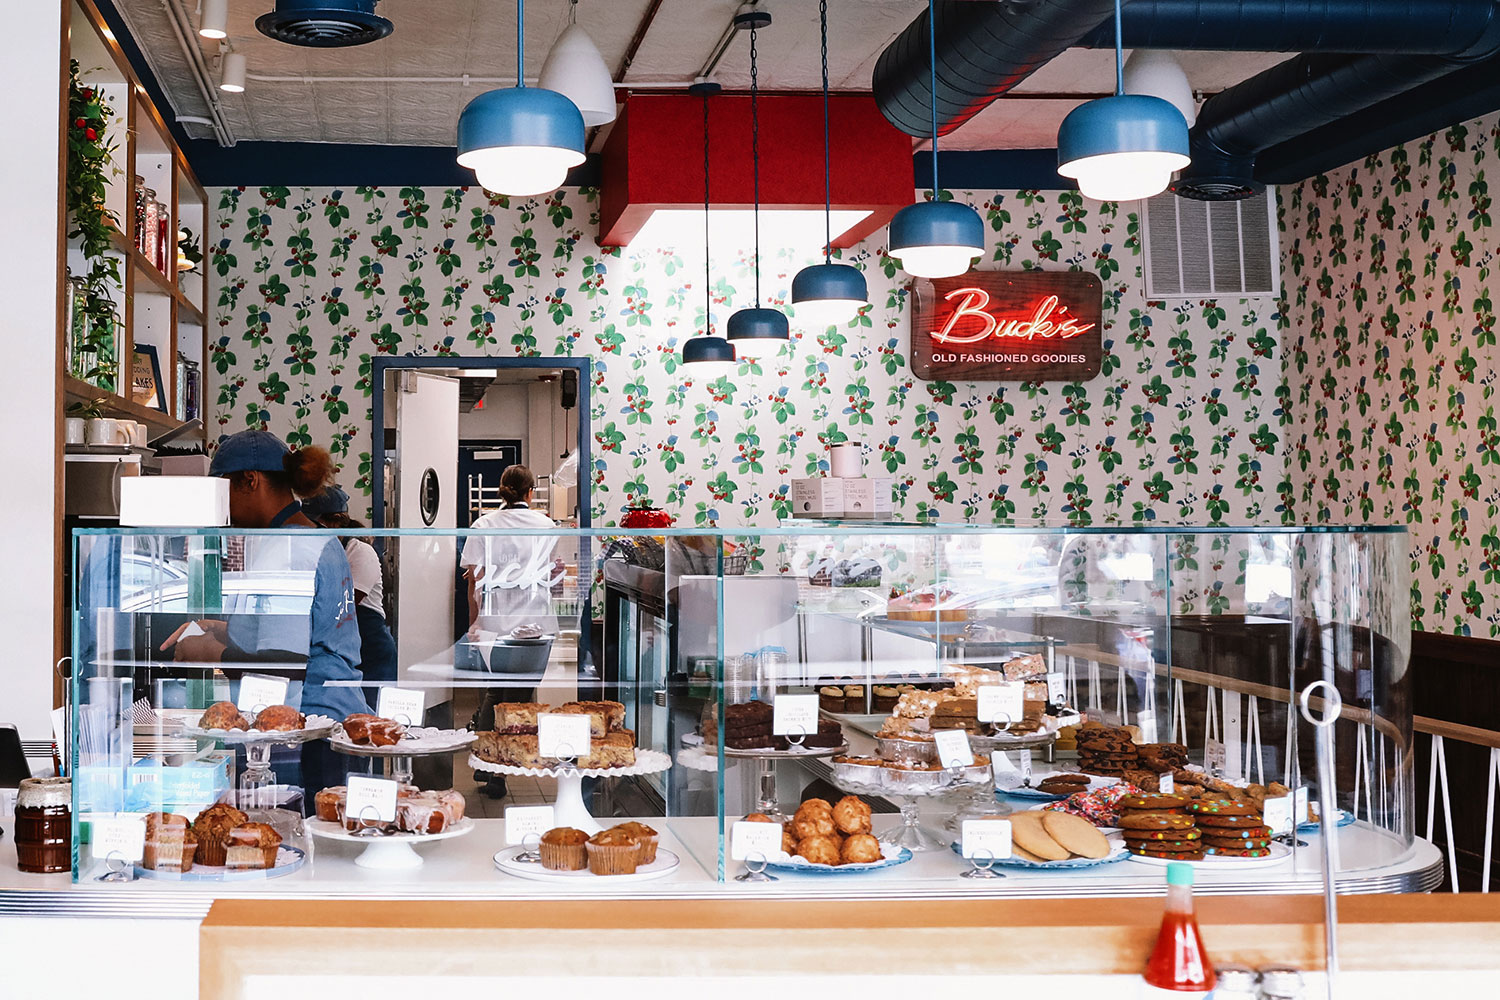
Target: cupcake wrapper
x=647 y=853
x=213 y=853
x=563 y=857
x=622 y=859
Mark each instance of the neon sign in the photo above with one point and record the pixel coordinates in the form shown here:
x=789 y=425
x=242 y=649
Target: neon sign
x=1022 y=326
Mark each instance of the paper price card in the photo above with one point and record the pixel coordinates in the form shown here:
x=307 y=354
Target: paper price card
x=754 y=840
x=795 y=715
x=1300 y=806
x=1025 y=767
x=1001 y=702
x=986 y=838
x=371 y=799
x=1165 y=784
x=560 y=735
x=524 y=822
x=1214 y=756
x=258 y=691
x=1000 y=764
x=1057 y=686
x=403 y=706
x=953 y=748
x=122 y=836
x=1277 y=815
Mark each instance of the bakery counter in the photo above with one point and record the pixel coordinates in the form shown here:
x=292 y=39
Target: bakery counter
x=464 y=869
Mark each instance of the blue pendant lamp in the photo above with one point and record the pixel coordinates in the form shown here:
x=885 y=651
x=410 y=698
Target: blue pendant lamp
x=1125 y=147
x=827 y=294
x=757 y=330
x=520 y=140
x=936 y=239
x=707 y=349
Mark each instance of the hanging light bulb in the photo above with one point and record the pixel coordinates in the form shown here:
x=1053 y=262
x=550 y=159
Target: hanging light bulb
x=520 y=140
x=827 y=294
x=575 y=69
x=936 y=239
x=707 y=349
x=757 y=331
x=1125 y=147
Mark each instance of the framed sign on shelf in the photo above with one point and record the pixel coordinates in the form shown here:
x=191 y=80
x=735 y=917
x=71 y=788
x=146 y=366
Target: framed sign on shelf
x=1008 y=326
x=146 y=386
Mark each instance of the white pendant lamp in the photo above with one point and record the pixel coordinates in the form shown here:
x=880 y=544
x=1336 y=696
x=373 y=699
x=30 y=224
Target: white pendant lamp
x=1125 y=147
x=214 y=23
x=232 y=73
x=827 y=294
x=936 y=239
x=575 y=69
x=1157 y=73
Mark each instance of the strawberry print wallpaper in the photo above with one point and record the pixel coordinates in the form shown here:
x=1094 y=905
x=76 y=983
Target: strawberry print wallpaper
x=1391 y=362
x=1181 y=426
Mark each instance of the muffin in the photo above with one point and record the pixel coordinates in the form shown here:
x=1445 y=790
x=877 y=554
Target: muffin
x=279 y=719
x=212 y=830
x=562 y=850
x=223 y=715
x=252 y=846
x=170 y=844
x=647 y=836
x=613 y=852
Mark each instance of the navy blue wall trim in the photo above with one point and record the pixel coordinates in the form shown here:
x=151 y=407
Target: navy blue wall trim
x=998 y=169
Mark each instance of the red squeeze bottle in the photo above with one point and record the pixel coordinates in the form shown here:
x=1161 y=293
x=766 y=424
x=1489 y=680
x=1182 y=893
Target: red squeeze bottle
x=1180 y=962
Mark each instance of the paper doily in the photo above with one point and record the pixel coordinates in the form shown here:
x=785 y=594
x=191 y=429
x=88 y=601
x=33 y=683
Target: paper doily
x=646 y=762
x=315 y=728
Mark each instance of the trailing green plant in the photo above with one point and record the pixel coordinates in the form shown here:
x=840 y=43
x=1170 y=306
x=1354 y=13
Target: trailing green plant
x=90 y=155
x=88 y=411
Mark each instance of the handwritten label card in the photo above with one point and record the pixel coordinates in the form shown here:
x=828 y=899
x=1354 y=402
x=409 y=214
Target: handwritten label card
x=560 y=735
x=523 y=822
x=1276 y=813
x=371 y=799
x=122 y=835
x=749 y=840
x=953 y=748
x=1165 y=784
x=795 y=715
x=1057 y=687
x=1300 y=808
x=1001 y=702
x=403 y=706
x=1213 y=756
x=258 y=691
x=986 y=838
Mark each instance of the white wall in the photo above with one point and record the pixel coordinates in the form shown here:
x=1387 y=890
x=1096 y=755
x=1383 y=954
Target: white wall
x=30 y=64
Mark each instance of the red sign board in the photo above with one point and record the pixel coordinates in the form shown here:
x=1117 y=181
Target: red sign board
x=1008 y=326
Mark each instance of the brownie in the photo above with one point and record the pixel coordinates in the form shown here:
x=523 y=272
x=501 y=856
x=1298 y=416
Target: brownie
x=749 y=742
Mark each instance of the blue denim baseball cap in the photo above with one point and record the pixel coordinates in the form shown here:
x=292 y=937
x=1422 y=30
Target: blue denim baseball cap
x=248 y=451
x=333 y=500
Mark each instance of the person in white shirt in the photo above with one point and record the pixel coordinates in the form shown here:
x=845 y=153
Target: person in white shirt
x=330 y=509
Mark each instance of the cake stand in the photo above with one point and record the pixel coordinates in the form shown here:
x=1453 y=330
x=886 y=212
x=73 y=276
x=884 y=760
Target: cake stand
x=386 y=851
x=417 y=742
x=258 y=784
x=569 y=808
x=769 y=803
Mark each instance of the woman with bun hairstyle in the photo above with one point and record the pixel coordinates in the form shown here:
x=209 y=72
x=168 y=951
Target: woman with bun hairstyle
x=265 y=479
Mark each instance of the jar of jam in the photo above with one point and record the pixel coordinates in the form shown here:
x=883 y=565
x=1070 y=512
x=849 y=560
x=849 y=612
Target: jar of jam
x=44 y=825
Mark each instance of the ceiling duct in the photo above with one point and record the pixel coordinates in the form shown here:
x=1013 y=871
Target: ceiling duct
x=324 y=24
x=983 y=50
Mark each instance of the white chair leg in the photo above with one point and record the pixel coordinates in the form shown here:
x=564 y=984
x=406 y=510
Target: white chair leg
x=1179 y=714
x=1361 y=771
x=1096 y=701
x=1440 y=757
x=1432 y=772
x=1252 y=741
x=1210 y=720
x=1121 y=704
x=1489 y=818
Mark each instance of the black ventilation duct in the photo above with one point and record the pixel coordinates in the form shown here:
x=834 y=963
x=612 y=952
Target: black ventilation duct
x=983 y=50
x=324 y=24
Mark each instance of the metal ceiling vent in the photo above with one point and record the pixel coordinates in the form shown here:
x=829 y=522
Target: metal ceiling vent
x=1211 y=248
x=324 y=24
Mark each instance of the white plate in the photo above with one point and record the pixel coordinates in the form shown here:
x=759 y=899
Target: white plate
x=419 y=740
x=334 y=831
x=890 y=857
x=770 y=754
x=665 y=864
x=1011 y=787
x=288 y=860
x=1117 y=853
x=316 y=727
x=1279 y=853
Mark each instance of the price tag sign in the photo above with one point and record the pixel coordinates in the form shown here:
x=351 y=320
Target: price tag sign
x=1165 y=784
x=1025 y=767
x=560 y=735
x=258 y=691
x=986 y=838
x=754 y=840
x=122 y=835
x=1277 y=814
x=953 y=748
x=1300 y=809
x=372 y=799
x=1214 y=756
x=795 y=715
x=403 y=706
x=1057 y=687
x=522 y=822
x=1001 y=702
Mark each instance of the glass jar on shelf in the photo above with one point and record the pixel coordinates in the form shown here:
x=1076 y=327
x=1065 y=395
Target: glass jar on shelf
x=166 y=256
x=138 y=208
x=146 y=234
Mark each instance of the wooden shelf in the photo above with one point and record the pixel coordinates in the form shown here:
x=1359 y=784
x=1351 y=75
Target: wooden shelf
x=76 y=390
x=159 y=282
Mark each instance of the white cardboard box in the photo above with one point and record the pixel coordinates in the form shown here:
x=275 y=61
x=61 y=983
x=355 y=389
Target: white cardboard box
x=867 y=498
x=822 y=496
x=174 y=502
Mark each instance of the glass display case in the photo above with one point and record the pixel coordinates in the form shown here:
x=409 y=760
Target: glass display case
x=913 y=678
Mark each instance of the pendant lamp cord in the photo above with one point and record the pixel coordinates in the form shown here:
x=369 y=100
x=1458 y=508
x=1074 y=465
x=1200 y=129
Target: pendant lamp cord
x=827 y=166
x=755 y=154
x=520 y=43
x=932 y=60
x=708 y=295
x=1119 y=54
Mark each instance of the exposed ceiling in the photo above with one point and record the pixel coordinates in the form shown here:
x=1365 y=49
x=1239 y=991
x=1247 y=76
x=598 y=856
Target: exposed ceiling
x=453 y=38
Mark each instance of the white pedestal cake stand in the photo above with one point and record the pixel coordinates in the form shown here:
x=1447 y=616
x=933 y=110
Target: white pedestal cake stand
x=569 y=808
